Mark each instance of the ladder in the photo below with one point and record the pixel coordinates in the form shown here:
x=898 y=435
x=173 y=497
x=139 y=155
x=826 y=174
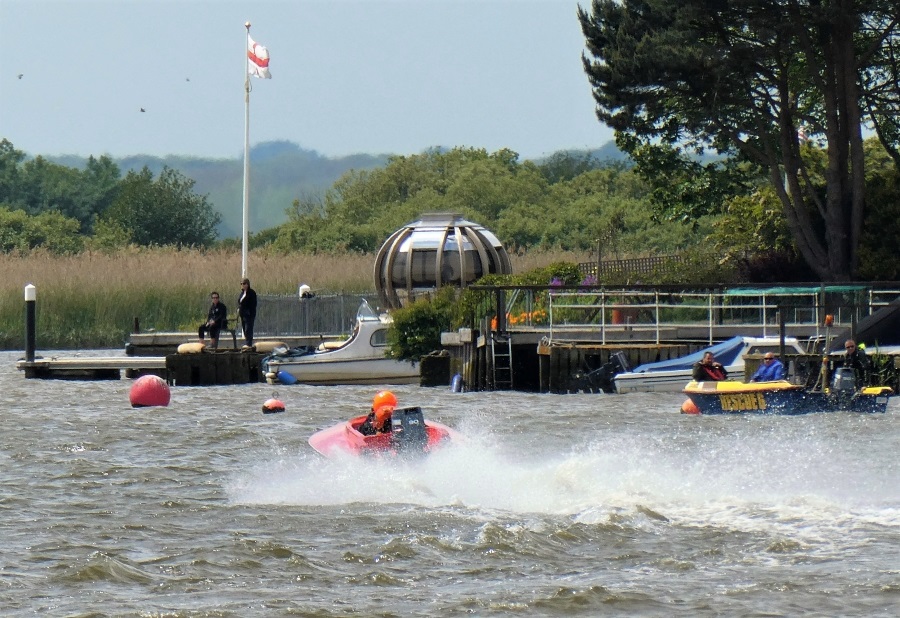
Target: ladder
x=501 y=361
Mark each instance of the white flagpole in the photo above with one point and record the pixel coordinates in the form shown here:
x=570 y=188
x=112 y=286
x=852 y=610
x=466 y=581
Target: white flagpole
x=246 y=216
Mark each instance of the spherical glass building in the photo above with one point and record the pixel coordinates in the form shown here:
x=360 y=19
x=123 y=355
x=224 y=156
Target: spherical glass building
x=437 y=250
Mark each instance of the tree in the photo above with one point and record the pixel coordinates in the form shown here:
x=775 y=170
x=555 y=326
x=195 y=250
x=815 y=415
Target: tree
x=37 y=186
x=744 y=78
x=164 y=211
x=10 y=182
x=51 y=231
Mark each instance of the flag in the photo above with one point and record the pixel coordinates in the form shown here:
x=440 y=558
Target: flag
x=259 y=59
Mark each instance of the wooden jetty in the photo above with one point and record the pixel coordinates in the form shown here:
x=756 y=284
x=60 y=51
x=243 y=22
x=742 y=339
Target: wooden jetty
x=164 y=343
x=91 y=368
x=203 y=369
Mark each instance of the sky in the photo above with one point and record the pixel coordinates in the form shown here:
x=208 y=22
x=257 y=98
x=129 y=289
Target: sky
x=348 y=76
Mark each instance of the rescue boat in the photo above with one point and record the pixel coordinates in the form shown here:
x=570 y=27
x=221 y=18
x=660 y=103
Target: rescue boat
x=783 y=397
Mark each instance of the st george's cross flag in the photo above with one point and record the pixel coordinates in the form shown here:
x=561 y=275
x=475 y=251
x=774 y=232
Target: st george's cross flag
x=259 y=59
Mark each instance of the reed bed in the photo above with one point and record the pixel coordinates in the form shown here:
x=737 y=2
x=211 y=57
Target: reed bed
x=90 y=300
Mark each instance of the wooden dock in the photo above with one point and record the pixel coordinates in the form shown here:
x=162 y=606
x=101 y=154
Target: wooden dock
x=92 y=368
x=163 y=344
x=204 y=369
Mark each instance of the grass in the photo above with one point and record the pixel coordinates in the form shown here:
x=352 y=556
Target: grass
x=89 y=300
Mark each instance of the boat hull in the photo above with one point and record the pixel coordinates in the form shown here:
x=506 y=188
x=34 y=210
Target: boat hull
x=781 y=397
x=361 y=359
x=343 y=438
x=660 y=381
x=349 y=371
x=671 y=375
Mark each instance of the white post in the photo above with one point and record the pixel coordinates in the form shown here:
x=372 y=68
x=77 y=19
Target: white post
x=246 y=211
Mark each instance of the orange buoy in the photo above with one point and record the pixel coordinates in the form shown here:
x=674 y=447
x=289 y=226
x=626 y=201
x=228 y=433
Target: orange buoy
x=273 y=405
x=149 y=391
x=689 y=407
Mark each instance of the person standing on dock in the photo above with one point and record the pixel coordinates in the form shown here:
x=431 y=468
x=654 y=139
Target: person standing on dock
x=216 y=320
x=247 y=311
x=709 y=370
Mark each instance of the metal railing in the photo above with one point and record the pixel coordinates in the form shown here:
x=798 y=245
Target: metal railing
x=325 y=314
x=651 y=311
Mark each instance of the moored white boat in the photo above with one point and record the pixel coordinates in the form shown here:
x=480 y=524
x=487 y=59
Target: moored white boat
x=671 y=375
x=361 y=359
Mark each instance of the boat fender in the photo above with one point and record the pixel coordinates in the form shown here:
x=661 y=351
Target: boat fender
x=273 y=406
x=190 y=348
x=456 y=384
x=689 y=407
x=269 y=347
x=285 y=378
x=149 y=391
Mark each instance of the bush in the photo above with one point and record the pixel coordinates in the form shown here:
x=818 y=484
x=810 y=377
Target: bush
x=417 y=328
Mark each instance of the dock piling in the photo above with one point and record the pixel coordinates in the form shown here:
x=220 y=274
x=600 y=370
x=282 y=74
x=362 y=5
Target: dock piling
x=30 y=321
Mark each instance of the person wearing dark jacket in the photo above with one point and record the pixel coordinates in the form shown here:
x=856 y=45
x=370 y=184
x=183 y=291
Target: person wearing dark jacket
x=855 y=358
x=216 y=320
x=247 y=311
x=708 y=370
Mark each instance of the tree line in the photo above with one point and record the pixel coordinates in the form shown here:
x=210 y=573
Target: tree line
x=44 y=205
x=569 y=201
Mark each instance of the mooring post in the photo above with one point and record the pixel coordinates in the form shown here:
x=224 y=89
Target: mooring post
x=30 y=321
x=501 y=311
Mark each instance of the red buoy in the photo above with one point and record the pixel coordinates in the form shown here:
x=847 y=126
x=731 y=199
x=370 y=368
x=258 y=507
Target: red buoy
x=149 y=391
x=271 y=406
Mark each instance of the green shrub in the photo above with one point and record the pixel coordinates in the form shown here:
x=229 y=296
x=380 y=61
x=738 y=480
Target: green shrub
x=417 y=328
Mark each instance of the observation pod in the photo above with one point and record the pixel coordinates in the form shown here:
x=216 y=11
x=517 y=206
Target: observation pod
x=439 y=249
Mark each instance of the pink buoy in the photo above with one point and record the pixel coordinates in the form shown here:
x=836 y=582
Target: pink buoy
x=273 y=405
x=149 y=391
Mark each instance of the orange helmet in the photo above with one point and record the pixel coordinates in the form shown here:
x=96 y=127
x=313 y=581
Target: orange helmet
x=384 y=398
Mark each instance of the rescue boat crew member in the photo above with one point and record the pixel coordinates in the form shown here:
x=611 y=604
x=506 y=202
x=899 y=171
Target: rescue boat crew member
x=709 y=369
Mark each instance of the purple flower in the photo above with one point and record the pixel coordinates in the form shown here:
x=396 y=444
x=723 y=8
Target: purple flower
x=556 y=282
x=590 y=280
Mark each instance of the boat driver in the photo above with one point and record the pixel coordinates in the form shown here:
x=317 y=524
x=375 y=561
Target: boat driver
x=379 y=419
x=855 y=358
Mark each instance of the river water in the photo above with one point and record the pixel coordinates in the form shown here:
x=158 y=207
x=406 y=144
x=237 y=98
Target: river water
x=553 y=505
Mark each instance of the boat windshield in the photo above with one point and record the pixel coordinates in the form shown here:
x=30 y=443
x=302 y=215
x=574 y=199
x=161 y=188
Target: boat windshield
x=365 y=312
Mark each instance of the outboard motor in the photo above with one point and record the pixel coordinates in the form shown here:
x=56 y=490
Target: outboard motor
x=843 y=387
x=844 y=381
x=408 y=432
x=601 y=379
x=620 y=362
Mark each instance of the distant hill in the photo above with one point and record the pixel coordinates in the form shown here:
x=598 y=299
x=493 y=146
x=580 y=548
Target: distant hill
x=280 y=172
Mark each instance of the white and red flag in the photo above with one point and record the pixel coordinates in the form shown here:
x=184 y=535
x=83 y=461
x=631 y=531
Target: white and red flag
x=259 y=59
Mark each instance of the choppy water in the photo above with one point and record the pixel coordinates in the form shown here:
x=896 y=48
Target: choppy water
x=555 y=505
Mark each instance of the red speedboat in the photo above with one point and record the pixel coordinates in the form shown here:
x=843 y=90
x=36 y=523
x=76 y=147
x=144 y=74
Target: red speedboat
x=410 y=434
